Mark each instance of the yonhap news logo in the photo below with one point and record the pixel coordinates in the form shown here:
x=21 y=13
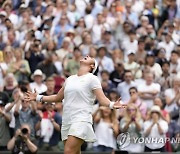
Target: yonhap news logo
x=124 y=139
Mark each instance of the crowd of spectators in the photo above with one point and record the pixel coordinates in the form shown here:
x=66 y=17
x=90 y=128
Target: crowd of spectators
x=137 y=46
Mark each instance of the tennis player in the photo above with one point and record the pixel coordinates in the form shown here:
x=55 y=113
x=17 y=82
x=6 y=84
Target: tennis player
x=78 y=95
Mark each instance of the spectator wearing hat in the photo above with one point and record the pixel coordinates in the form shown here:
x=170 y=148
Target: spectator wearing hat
x=148 y=90
x=154 y=67
x=123 y=87
x=38 y=84
x=5 y=119
x=132 y=65
x=156 y=129
x=142 y=31
x=105 y=63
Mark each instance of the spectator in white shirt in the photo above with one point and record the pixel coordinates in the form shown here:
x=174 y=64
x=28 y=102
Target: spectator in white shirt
x=105 y=63
x=123 y=87
x=38 y=84
x=148 y=90
x=174 y=62
x=155 y=129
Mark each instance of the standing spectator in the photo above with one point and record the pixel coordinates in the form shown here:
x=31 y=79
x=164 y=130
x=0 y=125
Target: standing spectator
x=148 y=90
x=172 y=95
x=47 y=66
x=5 y=119
x=25 y=115
x=137 y=101
x=106 y=129
x=38 y=84
x=20 y=67
x=117 y=76
x=50 y=126
x=133 y=124
x=141 y=53
x=123 y=87
x=34 y=55
x=105 y=63
x=155 y=128
x=154 y=67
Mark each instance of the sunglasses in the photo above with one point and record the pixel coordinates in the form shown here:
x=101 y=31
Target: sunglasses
x=130 y=110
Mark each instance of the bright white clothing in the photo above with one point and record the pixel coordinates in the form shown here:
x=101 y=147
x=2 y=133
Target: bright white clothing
x=79 y=98
x=170 y=93
x=107 y=64
x=123 y=90
x=156 y=69
x=169 y=47
x=89 y=21
x=39 y=88
x=146 y=88
x=82 y=130
x=105 y=135
x=154 y=134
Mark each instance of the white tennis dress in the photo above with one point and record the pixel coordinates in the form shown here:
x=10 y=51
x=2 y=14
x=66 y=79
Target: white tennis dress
x=78 y=105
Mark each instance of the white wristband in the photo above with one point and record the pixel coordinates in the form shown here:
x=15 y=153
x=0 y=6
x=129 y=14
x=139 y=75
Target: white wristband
x=39 y=98
x=111 y=105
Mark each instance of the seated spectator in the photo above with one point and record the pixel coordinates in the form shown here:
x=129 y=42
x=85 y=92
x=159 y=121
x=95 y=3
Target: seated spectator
x=141 y=53
x=38 y=84
x=21 y=142
x=133 y=124
x=134 y=99
x=5 y=119
x=106 y=129
x=148 y=90
x=123 y=87
x=155 y=128
x=50 y=126
x=174 y=63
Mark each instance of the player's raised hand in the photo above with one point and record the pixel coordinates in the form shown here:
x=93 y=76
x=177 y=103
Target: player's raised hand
x=119 y=104
x=30 y=96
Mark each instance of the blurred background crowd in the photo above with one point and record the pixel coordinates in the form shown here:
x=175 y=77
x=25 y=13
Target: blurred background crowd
x=137 y=46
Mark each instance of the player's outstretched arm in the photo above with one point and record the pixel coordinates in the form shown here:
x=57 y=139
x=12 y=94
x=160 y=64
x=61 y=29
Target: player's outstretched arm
x=103 y=100
x=30 y=96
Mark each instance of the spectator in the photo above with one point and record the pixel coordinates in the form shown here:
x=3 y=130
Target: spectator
x=141 y=53
x=132 y=123
x=106 y=123
x=50 y=126
x=123 y=87
x=148 y=90
x=155 y=127
x=154 y=67
x=21 y=141
x=137 y=101
x=25 y=115
x=174 y=62
x=38 y=84
x=105 y=63
x=47 y=66
x=5 y=119
x=20 y=67
x=172 y=95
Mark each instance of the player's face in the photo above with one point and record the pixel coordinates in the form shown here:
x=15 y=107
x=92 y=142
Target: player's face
x=87 y=60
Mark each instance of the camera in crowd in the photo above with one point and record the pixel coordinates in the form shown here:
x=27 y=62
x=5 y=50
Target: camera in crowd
x=24 y=131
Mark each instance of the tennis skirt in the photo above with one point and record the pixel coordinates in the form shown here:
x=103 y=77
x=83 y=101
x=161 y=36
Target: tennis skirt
x=82 y=130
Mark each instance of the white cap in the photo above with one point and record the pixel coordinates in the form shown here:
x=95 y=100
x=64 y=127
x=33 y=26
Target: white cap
x=3 y=13
x=131 y=52
x=38 y=72
x=95 y=66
